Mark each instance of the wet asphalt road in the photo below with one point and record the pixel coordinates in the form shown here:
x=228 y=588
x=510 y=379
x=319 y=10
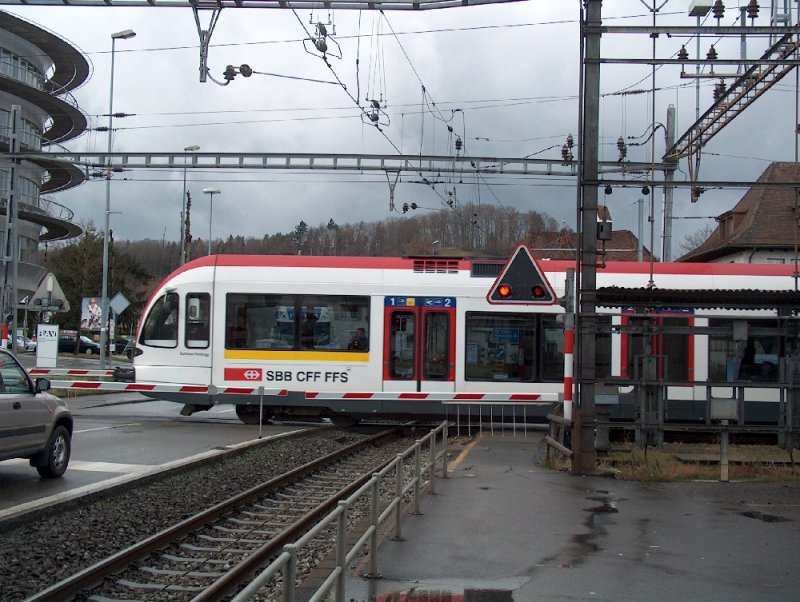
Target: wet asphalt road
x=502 y=527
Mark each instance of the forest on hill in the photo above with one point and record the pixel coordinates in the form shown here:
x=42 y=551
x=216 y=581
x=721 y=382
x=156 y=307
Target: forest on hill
x=136 y=267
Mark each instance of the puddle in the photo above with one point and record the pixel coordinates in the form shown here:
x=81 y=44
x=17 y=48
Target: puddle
x=767 y=518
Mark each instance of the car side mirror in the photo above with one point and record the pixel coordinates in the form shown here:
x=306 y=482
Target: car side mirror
x=42 y=385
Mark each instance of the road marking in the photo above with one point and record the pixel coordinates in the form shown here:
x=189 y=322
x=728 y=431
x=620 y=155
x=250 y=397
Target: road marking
x=106 y=428
x=128 y=474
x=452 y=466
x=112 y=467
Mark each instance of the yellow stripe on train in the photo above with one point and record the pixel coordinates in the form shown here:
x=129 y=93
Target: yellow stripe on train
x=307 y=356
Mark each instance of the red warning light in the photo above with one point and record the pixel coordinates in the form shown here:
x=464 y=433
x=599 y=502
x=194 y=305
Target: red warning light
x=521 y=282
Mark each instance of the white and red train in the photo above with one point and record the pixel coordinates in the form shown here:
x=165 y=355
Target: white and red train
x=355 y=337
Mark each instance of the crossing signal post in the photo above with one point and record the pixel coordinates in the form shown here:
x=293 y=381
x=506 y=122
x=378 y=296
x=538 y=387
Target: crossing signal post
x=521 y=282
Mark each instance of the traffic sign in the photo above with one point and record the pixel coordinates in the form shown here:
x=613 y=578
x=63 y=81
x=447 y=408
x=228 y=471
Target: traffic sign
x=119 y=303
x=521 y=282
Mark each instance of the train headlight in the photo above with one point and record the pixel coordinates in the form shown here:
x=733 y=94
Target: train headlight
x=504 y=291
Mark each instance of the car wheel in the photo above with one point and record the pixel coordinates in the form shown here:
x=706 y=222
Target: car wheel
x=88 y=351
x=58 y=452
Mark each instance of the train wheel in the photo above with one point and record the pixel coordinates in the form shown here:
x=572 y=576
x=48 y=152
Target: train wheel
x=250 y=414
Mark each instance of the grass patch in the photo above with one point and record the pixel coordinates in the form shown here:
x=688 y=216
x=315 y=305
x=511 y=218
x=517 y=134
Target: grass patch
x=686 y=462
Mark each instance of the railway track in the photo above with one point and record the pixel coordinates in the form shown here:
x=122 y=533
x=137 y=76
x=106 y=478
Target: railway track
x=209 y=556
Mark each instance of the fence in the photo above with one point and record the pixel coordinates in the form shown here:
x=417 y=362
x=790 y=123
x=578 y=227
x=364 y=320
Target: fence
x=286 y=563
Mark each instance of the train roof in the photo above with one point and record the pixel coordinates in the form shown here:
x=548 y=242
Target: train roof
x=655 y=298
x=438 y=264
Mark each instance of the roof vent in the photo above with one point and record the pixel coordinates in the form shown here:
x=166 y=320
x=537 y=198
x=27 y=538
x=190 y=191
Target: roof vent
x=487 y=269
x=436 y=265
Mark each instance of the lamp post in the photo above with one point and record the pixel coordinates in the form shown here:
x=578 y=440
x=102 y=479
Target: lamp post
x=187 y=149
x=210 y=192
x=120 y=35
x=433 y=246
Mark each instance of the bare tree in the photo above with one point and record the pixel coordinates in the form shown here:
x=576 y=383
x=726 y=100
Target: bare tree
x=691 y=241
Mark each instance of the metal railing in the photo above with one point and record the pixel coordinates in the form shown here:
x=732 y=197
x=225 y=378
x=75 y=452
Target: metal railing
x=500 y=414
x=335 y=583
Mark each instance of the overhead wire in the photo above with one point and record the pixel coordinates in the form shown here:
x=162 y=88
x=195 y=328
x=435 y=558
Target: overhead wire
x=355 y=100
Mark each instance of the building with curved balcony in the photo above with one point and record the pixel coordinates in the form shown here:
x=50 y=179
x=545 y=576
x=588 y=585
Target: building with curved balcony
x=38 y=72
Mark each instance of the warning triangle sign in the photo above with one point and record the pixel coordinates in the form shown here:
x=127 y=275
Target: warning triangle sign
x=49 y=296
x=521 y=282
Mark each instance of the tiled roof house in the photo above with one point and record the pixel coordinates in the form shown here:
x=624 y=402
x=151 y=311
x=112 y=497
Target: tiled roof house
x=761 y=228
x=564 y=244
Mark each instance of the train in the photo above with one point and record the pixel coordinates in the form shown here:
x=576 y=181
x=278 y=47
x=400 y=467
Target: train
x=355 y=338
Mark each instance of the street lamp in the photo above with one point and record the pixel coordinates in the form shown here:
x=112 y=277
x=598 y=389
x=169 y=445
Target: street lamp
x=187 y=149
x=120 y=35
x=433 y=246
x=210 y=192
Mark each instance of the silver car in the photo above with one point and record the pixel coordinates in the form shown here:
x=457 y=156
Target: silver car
x=33 y=424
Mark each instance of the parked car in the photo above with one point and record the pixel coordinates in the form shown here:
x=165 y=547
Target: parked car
x=24 y=344
x=86 y=345
x=129 y=349
x=120 y=343
x=34 y=425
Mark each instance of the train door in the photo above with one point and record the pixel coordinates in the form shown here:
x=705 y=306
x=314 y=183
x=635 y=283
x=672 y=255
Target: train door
x=650 y=336
x=419 y=344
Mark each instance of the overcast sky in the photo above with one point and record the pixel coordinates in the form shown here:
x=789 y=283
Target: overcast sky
x=503 y=76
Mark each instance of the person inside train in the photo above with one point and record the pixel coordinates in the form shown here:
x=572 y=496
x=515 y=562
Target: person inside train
x=307 y=331
x=238 y=334
x=359 y=341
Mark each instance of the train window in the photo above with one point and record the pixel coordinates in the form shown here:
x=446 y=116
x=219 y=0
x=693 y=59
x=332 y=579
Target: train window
x=754 y=359
x=288 y=322
x=198 y=316
x=437 y=345
x=161 y=326
x=552 y=346
x=259 y=321
x=401 y=345
x=500 y=347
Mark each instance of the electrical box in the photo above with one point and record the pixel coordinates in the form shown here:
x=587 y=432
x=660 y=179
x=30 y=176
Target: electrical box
x=724 y=409
x=604 y=230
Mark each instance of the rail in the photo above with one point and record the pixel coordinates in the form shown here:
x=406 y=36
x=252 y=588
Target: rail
x=285 y=564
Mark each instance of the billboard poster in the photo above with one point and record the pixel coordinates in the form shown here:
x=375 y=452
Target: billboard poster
x=91 y=313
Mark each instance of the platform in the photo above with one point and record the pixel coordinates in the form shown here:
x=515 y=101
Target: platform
x=502 y=528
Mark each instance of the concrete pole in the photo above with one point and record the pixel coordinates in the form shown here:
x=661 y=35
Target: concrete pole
x=669 y=177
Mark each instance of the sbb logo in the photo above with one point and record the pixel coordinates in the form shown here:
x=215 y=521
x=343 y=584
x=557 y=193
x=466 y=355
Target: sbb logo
x=248 y=374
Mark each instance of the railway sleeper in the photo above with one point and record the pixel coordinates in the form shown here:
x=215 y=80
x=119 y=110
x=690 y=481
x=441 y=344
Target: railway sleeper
x=172 y=587
x=272 y=501
x=239 y=540
x=263 y=513
x=234 y=530
x=175 y=573
x=193 y=560
x=205 y=549
x=327 y=490
x=262 y=521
